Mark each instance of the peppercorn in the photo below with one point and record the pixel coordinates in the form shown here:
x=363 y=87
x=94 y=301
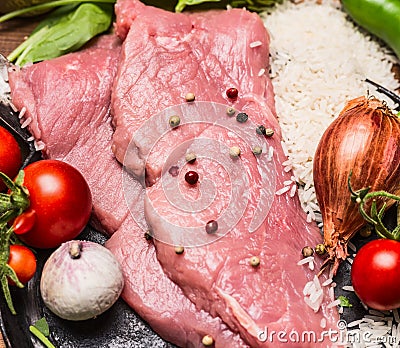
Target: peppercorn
x=307 y=251
x=366 y=231
x=191 y=177
x=255 y=261
x=174 y=121
x=174 y=171
x=242 y=117
x=269 y=132
x=261 y=130
x=211 y=226
x=320 y=249
x=189 y=97
x=234 y=151
x=190 y=157
x=257 y=150
x=179 y=249
x=148 y=236
x=230 y=111
x=207 y=341
x=232 y=93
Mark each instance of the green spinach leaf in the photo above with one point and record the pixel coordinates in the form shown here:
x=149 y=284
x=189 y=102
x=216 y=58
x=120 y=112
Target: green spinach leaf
x=67 y=29
x=252 y=5
x=183 y=3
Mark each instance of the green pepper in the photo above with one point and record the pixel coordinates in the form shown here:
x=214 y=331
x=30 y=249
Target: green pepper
x=379 y=17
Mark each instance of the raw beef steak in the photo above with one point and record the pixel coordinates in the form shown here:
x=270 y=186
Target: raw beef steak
x=73 y=123
x=207 y=54
x=166 y=55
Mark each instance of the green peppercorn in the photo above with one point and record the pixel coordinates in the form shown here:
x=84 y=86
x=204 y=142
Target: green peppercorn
x=179 y=249
x=234 y=151
x=207 y=341
x=320 y=249
x=174 y=121
x=255 y=261
x=269 y=132
x=189 y=97
x=307 y=251
x=257 y=150
x=230 y=111
x=190 y=157
x=366 y=231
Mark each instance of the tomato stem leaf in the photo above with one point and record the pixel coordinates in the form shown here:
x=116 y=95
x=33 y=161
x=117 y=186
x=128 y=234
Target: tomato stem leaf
x=363 y=197
x=7 y=295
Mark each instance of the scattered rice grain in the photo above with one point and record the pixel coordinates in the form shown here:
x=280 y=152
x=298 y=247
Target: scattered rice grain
x=26 y=122
x=22 y=112
x=310 y=87
x=255 y=44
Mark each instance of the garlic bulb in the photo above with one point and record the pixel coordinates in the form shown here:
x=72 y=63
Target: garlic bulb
x=81 y=280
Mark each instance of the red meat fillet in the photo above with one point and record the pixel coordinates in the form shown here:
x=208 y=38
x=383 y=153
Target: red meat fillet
x=166 y=55
x=208 y=53
x=68 y=101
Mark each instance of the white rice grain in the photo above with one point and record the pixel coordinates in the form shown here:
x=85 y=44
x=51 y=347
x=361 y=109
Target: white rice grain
x=22 y=112
x=333 y=304
x=327 y=282
x=255 y=44
x=26 y=122
x=282 y=190
x=314 y=73
x=347 y=288
x=305 y=260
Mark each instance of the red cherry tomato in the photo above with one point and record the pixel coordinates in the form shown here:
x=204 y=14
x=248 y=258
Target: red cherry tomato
x=61 y=199
x=10 y=156
x=375 y=274
x=24 y=222
x=23 y=261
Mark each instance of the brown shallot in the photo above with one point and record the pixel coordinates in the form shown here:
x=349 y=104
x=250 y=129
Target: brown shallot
x=363 y=141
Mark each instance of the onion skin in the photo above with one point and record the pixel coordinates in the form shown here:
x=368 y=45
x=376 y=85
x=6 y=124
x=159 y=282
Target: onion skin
x=81 y=280
x=364 y=140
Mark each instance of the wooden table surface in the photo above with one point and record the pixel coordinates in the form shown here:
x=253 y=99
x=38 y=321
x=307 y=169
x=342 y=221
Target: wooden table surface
x=12 y=33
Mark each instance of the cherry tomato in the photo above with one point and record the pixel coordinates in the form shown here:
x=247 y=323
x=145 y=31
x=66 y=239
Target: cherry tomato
x=61 y=200
x=24 y=222
x=10 y=156
x=375 y=274
x=23 y=261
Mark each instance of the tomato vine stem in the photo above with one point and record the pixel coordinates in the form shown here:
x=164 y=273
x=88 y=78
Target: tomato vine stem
x=375 y=216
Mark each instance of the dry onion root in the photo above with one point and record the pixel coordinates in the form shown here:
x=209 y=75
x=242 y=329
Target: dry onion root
x=364 y=140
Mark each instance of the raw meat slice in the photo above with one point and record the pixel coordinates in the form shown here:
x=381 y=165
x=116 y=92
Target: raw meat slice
x=155 y=296
x=67 y=102
x=205 y=53
x=147 y=289
x=218 y=277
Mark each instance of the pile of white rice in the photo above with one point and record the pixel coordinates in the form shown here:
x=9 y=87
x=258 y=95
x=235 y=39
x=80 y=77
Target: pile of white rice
x=319 y=61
